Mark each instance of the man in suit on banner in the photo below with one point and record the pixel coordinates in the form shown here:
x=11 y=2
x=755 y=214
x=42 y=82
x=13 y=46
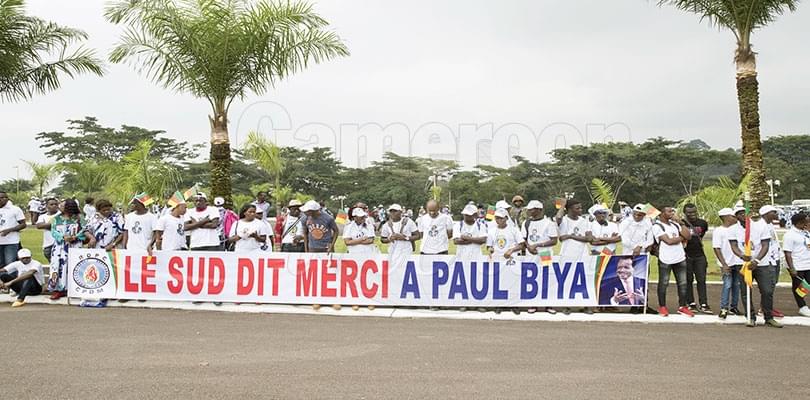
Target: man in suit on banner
x=624 y=289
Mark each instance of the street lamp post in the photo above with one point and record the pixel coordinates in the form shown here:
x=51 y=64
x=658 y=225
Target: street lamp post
x=771 y=183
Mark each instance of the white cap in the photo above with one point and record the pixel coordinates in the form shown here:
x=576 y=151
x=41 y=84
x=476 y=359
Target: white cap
x=766 y=209
x=639 y=208
x=597 y=208
x=218 y=201
x=502 y=204
x=738 y=209
x=395 y=207
x=469 y=209
x=294 y=203
x=534 y=204
x=726 y=212
x=311 y=205
x=201 y=195
x=24 y=253
x=501 y=213
x=358 y=212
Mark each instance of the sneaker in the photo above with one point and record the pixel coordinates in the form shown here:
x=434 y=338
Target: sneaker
x=551 y=311
x=759 y=312
x=751 y=323
x=18 y=303
x=355 y=308
x=216 y=303
x=516 y=311
x=662 y=311
x=723 y=314
x=482 y=309
x=463 y=309
x=705 y=309
x=804 y=311
x=316 y=307
x=434 y=308
x=336 y=307
x=735 y=311
x=777 y=314
x=57 y=295
x=693 y=307
x=588 y=311
x=531 y=310
x=566 y=311
x=497 y=310
x=686 y=311
x=372 y=307
x=772 y=323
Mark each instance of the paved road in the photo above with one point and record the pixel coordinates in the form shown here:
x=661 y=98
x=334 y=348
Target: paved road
x=69 y=352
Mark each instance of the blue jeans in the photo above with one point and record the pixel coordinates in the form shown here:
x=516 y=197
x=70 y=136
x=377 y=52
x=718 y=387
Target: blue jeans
x=8 y=253
x=731 y=287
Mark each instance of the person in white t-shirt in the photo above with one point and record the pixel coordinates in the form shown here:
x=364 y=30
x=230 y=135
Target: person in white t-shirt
x=262 y=205
x=604 y=233
x=797 y=257
x=768 y=215
x=504 y=240
x=24 y=277
x=44 y=223
x=636 y=232
x=730 y=264
x=671 y=235
x=575 y=231
x=760 y=238
x=358 y=235
x=12 y=221
x=170 y=234
x=435 y=230
x=203 y=221
x=399 y=233
x=539 y=232
x=249 y=233
x=138 y=227
x=33 y=209
x=292 y=232
x=469 y=234
x=89 y=209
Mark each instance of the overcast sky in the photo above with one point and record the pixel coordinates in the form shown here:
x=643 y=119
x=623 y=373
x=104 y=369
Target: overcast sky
x=545 y=73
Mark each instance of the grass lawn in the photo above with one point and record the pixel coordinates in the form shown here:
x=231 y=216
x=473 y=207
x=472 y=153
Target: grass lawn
x=32 y=240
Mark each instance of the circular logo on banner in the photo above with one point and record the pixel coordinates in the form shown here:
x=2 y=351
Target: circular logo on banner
x=91 y=273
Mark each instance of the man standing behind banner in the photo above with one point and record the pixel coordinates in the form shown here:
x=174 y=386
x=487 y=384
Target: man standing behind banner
x=169 y=232
x=138 y=226
x=575 y=235
x=696 y=263
x=292 y=232
x=604 y=233
x=469 y=234
x=399 y=233
x=671 y=234
x=320 y=232
x=203 y=222
x=760 y=243
x=540 y=235
x=435 y=230
x=636 y=232
x=358 y=235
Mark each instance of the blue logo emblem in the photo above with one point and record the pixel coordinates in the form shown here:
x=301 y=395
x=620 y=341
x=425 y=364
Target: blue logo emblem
x=91 y=273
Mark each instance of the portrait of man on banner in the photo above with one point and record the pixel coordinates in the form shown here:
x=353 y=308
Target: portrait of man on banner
x=624 y=282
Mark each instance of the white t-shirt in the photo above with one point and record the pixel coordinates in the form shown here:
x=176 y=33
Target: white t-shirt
x=47 y=238
x=89 y=211
x=434 y=233
x=399 y=246
x=174 y=235
x=720 y=240
x=244 y=229
x=263 y=207
x=203 y=237
x=573 y=249
x=669 y=253
x=539 y=231
x=601 y=232
x=475 y=231
x=10 y=216
x=503 y=239
x=293 y=226
x=20 y=268
x=33 y=205
x=798 y=244
x=774 y=252
x=354 y=231
x=758 y=234
x=139 y=230
x=635 y=234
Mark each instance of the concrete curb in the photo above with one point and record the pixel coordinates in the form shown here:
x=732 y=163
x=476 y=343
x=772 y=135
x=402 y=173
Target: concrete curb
x=506 y=315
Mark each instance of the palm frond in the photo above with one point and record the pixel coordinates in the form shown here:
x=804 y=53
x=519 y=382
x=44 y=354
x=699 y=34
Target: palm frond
x=602 y=192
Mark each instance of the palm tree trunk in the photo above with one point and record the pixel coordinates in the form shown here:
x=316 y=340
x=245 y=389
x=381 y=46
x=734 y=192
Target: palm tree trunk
x=748 y=99
x=220 y=158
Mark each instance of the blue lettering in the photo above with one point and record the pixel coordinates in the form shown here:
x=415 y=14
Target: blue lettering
x=497 y=294
x=544 y=291
x=528 y=278
x=440 y=274
x=410 y=284
x=476 y=293
x=561 y=275
x=458 y=284
x=579 y=286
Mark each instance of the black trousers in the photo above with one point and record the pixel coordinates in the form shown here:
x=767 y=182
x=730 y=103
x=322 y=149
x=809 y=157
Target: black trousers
x=800 y=301
x=763 y=275
x=28 y=287
x=292 y=248
x=696 y=271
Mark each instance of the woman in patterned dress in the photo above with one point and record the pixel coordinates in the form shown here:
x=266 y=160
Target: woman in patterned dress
x=106 y=226
x=68 y=233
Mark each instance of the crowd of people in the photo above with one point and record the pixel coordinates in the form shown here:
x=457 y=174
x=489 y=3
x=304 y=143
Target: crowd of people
x=515 y=228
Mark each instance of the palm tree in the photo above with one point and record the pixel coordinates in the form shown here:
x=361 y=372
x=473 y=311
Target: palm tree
x=138 y=172
x=25 y=44
x=43 y=174
x=266 y=155
x=89 y=177
x=220 y=50
x=742 y=17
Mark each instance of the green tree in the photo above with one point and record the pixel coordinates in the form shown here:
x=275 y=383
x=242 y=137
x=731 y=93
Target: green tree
x=89 y=177
x=221 y=50
x=742 y=18
x=316 y=172
x=139 y=172
x=266 y=155
x=43 y=175
x=26 y=43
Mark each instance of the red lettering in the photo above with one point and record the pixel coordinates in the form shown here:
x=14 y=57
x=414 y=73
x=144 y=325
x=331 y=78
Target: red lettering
x=327 y=277
x=385 y=279
x=276 y=264
x=215 y=264
x=306 y=279
x=129 y=286
x=196 y=288
x=260 y=279
x=244 y=267
x=368 y=291
x=348 y=274
x=147 y=273
x=175 y=263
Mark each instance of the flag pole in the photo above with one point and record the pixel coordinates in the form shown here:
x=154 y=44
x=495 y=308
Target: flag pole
x=747 y=198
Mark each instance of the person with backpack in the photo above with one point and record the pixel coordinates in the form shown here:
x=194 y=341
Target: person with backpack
x=539 y=235
x=670 y=235
x=469 y=234
x=292 y=232
x=399 y=233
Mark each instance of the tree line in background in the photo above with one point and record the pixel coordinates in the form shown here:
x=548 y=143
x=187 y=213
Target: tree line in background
x=92 y=159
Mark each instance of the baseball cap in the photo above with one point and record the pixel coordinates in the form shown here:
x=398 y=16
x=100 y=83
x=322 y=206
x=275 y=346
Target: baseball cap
x=738 y=209
x=469 y=209
x=598 y=208
x=23 y=253
x=395 y=207
x=201 y=195
x=311 y=205
x=639 y=208
x=725 y=212
x=218 y=201
x=766 y=209
x=501 y=213
x=502 y=204
x=534 y=204
x=517 y=197
x=358 y=212
x=294 y=203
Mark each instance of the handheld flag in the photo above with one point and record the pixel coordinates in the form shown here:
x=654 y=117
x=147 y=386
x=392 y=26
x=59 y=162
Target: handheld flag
x=490 y=213
x=342 y=217
x=545 y=257
x=651 y=211
x=176 y=199
x=606 y=252
x=191 y=192
x=748 y=275
x=804 y=289
x=143 y=198
x=559 y=203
